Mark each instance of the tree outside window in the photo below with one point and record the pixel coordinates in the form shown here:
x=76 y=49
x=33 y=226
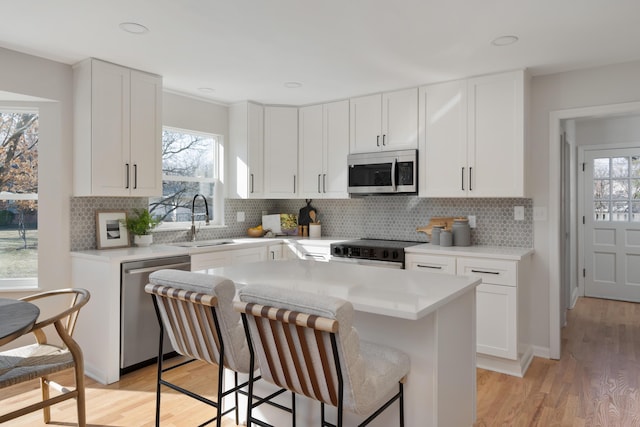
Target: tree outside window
x=189 y=167
x=18 y=198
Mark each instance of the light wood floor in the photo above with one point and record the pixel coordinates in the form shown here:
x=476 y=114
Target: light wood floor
x=596 y=383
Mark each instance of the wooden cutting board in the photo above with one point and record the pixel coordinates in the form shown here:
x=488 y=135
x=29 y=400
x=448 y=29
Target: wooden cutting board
x=447 y=222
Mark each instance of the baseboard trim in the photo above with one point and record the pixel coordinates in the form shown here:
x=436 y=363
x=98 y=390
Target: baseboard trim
x=516 y=368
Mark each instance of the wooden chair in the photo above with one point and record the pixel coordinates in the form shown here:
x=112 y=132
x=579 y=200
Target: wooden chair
x=306 y=343
x=196 y=311
x=43 y=358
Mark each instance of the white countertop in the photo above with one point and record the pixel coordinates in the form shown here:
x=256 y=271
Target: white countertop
x=495 y=252
x=171 y=249
x=406 y=294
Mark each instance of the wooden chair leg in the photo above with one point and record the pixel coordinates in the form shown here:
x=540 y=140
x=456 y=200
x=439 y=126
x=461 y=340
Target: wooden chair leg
x=46 y=411
x=80 y=399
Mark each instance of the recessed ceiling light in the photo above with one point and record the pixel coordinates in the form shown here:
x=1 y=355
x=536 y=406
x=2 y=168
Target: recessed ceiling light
x=292 y=85
x=133 y=28
x=504 y=40
x=206 y=89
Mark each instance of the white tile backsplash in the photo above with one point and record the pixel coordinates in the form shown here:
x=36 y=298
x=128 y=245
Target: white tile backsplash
x=381 y=217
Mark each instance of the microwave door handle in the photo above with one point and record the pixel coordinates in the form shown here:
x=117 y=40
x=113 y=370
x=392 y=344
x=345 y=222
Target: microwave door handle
x=393 y=174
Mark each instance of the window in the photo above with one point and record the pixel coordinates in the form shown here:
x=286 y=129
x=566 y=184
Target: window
x=18 y=198
x=616 y=188
x=190 y=166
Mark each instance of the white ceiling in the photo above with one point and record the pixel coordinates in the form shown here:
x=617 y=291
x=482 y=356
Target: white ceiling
x=247 y=49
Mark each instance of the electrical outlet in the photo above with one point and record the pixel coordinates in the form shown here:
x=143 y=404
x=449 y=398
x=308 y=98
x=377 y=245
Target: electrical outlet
x=518 y=213
x=240 y=216
x=472 y=221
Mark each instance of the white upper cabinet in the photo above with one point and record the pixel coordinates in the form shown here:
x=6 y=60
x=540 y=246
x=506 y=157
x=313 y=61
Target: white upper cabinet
x=323 y=149
x=443 y=145
x=281 y=152
x=387 y=121
x=117 y=131
x=246 y=151
x=472 y=137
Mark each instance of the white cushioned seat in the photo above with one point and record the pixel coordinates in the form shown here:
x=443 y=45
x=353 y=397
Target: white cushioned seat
x=371 y=371
x=231 y=329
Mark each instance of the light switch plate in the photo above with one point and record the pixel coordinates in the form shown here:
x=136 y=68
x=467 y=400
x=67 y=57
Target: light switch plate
x=472 y=221
x=518 y=213
x=240 y=217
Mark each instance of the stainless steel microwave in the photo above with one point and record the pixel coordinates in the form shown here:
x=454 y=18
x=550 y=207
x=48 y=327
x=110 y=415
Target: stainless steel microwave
x=383 y=172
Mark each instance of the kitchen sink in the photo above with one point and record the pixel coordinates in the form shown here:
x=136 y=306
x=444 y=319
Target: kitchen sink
x=202 y=243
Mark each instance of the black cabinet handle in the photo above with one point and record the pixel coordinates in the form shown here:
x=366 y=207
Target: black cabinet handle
x=126 y=172
x=378 y=140
x=435 y=267
x=485 y=272
x=319 y=190
x=384 y=137
x=135 y=176
x=294 y=183
x=470 y=173
x=324 y=183
x=251 y=176
x=462 y=173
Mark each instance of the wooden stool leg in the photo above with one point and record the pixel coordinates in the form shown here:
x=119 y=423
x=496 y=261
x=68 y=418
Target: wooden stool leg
x=46 y=411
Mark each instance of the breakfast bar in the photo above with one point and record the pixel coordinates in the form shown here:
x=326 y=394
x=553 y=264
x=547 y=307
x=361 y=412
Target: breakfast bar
x=429 y=316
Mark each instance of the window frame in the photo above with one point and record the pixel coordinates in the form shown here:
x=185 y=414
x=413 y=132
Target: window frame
x=8 y=284
x=216 y=211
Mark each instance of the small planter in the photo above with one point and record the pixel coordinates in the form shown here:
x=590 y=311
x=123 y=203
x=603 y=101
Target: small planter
x=143 y=240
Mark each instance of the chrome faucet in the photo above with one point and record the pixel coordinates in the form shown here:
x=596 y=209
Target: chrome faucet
x=193 y=215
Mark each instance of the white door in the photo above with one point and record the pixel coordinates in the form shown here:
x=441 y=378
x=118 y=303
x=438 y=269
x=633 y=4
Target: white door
x=612 y=224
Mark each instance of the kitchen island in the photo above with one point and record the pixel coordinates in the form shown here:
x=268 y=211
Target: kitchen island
x=429 y=316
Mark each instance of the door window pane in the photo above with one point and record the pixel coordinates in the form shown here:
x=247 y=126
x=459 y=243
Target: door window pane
x=601 y=168
x=619 y=167
x=616 y=188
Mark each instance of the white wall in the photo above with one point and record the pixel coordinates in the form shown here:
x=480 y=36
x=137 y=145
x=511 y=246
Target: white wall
x=194 y=114
x=610 y=130
x=582 y=88
x=36 y=77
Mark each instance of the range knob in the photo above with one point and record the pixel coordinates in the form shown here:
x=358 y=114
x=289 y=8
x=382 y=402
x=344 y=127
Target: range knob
x=396 y=254
x=337 y=250
x=385 y=253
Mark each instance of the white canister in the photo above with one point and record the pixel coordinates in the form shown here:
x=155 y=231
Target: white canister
x=315 y=230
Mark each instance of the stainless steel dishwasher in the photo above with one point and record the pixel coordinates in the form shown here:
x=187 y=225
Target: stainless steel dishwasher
x=139 y=330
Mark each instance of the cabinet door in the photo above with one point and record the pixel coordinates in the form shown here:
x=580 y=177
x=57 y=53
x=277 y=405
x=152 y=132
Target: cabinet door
x=496 y=135
x=246 y=148
x=431 y=263
x=248 y=255
x=312 y=151
x=275 y=252
x=443 y=141
x=146 y=135
x=496 y=322
x=255 y=144
x=336 y=149
x=366 y=124
x=400 y=119
x=281 y=151
x=111 y=171
x=204 y=261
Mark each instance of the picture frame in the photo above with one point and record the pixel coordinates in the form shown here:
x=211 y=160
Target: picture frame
x=111 y=231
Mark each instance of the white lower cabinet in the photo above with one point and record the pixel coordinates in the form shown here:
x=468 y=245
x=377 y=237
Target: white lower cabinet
x=208 y=260
x=431 y=263
x=502 y=341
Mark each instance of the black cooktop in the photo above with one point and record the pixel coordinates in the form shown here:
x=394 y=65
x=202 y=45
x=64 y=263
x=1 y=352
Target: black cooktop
x=372 y=249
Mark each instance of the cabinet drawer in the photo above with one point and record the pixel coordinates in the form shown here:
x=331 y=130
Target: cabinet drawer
x=208 y=260
x=432 y=263
x=491 y=271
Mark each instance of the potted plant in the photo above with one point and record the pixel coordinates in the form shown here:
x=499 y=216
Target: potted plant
x=140 y=225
